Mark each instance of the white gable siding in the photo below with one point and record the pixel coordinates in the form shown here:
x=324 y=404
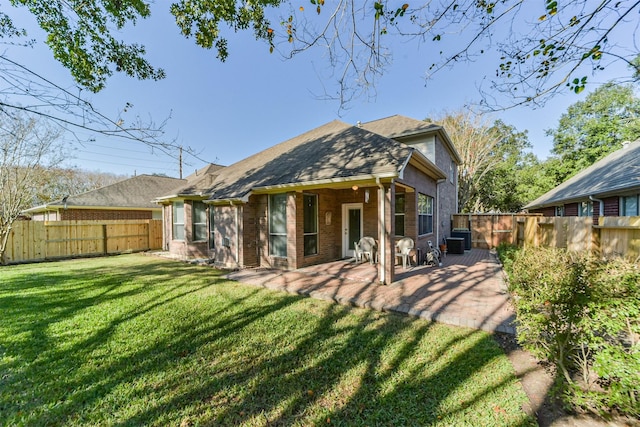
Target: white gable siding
x=425 y=145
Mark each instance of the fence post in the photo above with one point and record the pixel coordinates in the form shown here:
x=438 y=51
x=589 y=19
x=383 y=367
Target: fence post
x=148 y=234
x=104 y=239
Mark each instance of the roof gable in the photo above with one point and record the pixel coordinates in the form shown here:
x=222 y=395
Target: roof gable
x=616 y=173
x=401 y=127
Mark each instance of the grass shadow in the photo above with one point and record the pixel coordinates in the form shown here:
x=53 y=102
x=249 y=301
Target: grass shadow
x=166 y=343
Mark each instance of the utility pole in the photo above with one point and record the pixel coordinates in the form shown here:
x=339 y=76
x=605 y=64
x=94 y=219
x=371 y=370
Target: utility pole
x=180 y=161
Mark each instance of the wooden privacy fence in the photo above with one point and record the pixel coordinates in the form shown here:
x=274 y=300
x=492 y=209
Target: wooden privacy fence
x=47 y=240
x=611 y=236
x=489 y=230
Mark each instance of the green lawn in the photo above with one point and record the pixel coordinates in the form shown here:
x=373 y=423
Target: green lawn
x=135 y=340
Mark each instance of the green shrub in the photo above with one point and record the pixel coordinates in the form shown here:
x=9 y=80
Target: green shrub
x=583 y=316
x=506 y=253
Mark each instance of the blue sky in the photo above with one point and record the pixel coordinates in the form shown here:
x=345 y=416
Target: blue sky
x=228 y=111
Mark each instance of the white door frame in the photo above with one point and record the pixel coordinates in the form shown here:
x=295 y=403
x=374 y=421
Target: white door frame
x=346 y=252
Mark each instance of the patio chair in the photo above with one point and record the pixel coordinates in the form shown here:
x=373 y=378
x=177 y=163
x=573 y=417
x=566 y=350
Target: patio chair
x=404 y=247
x=366 y=246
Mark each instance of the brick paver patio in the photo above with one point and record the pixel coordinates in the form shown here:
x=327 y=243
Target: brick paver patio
x=467 y=290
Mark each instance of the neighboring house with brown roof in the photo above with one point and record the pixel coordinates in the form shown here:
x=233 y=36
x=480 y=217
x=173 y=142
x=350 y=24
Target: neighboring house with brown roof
x=129 y=199
x=307 y=200
x=609 y=187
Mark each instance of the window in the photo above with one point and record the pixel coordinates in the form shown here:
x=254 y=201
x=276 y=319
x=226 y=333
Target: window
x=452 y=170
x=629 y=206
x=559 y=210
x=212 y=241
x=178 y=220
x=425 y=214
x=400 y=214
x=199 y=221
x=278 y=225
x=310 y=211
x=585 y=209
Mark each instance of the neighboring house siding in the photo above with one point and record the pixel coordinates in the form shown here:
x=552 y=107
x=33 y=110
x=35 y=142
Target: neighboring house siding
x=548 y=211
x=571 y=209
x=612 y=206
x=45 y=216
x=101 y=215
x=596 y=212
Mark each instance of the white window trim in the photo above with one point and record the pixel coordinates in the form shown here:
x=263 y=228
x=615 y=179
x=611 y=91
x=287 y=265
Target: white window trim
x=426 y=214
x=317 y=232
x=174 y=223
x=276 y=234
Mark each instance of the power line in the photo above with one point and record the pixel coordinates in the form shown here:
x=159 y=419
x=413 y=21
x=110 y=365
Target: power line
x=121 y=164
x=119 y=149
x=125 y=157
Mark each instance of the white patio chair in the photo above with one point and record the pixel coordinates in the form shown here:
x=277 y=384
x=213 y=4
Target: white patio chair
x=367 y=246
x=403 y=250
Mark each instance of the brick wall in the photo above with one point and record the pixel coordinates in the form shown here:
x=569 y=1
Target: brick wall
x=250 y=242
x=225 y=236
x=447 y=191
x=421 y=184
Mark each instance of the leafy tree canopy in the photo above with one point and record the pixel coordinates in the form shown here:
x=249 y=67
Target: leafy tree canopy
x=541 y=47
x=593 y=128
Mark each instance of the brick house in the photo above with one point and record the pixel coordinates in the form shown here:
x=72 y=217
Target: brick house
x=307 y=200
x=129 y=199
x=609 y=187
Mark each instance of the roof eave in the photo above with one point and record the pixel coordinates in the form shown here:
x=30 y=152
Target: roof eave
x=425 y=165
x=582 y=197
x=335 y=183
x=41 y=208
x=180 y=196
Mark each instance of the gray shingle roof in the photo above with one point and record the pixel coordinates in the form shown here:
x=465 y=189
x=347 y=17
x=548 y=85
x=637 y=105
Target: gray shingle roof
x=136 y=192
x=198 y=183
x=617 y=173
x=334 y=150
x=398 y=126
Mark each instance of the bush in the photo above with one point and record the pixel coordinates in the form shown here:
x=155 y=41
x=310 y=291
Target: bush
x=583 y=316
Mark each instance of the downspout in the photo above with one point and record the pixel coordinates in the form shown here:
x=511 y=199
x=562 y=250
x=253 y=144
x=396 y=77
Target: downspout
x=383 y=239
x=164 y=231
x=601 y=206
x=438 y=182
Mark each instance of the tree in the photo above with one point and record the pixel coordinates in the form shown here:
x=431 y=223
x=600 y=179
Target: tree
x=81 y=36
x=499 y=189
x=28 y=147
x=593 y=128
x=533 y=179
x=476 y=141
x=542 y=47
x=539 y=48
x=61 y=182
